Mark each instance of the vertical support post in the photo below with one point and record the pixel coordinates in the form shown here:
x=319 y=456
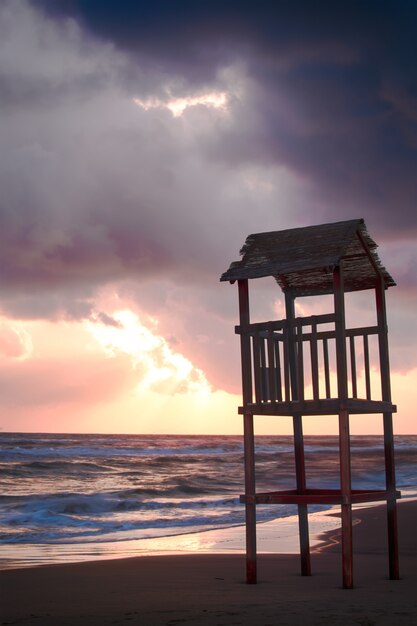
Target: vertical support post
x=286 y=351
x=273 y=367
x=300 y=362
x=298 y=437
x=248 y=436
x=344 y=438
x=388 y=432
x=326 y=367
x=257 y=368
x=353 y=367
x=250 y=504
x=314 y=361
x=367 y=367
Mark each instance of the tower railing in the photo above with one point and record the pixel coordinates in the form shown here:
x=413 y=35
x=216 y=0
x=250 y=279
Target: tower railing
x=314 y=338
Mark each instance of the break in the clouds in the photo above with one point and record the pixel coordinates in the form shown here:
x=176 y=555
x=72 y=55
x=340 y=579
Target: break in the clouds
x=142 y=141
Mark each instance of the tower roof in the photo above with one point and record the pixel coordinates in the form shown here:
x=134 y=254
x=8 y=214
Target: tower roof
x=302 y=259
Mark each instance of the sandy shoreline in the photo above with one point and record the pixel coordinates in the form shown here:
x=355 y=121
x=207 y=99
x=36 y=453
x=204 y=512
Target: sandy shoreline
x=210 y=588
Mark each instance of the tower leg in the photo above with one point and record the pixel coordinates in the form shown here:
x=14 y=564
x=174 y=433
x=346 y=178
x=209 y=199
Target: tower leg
x=394 y=569
x=301 y=486
x=250 y=505
x=304 y=540
x=347 y=546
x=394 y=572
x=345 y=488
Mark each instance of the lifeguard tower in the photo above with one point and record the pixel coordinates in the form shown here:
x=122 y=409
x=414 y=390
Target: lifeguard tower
x=309 y=366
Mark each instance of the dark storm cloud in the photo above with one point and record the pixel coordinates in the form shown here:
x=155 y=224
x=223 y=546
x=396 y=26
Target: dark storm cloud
x=169 y=32
x=334 y=93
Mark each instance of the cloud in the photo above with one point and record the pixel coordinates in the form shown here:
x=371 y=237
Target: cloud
x=58 y=382
x=95 y=190
x=332 y=88
x=177 y=106
x=159 y=368
x=15 y=343
x=316 y=125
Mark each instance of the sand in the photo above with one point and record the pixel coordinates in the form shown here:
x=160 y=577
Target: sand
x=199 y=589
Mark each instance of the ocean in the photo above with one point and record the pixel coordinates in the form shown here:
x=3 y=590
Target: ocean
x=60 y=492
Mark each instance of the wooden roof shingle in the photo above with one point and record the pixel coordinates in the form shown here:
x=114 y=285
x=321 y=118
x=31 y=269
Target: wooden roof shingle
x=302 y=259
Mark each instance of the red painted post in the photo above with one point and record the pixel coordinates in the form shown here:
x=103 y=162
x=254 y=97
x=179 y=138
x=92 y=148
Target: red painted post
x=250 y=505
x=346 y=507
x=394 y=572
x=301 y=486
x=248 y=436
x=344 y=437
x=298 y=439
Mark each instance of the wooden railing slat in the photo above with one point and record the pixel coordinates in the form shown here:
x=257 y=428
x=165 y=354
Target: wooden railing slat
x=326 y=367
x=264 y=375
x=353 y=366
x=287 y=368
x=272 y=366
x=367 y=370
x=314 y=362
x=257 y=368
x=278 y=369
x=300 y=362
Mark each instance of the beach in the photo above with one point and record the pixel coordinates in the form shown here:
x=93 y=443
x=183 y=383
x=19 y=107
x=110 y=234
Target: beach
x=210 y=588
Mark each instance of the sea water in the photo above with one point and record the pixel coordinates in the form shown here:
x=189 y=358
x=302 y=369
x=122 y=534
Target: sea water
x=71 y=490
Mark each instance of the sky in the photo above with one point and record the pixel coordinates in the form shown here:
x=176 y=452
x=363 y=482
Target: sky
x=141 y=142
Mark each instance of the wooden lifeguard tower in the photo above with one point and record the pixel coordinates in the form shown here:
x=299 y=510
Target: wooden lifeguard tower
x=287 y=370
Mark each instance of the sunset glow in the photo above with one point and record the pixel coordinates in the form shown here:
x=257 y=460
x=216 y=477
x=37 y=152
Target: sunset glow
x=160 y=368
